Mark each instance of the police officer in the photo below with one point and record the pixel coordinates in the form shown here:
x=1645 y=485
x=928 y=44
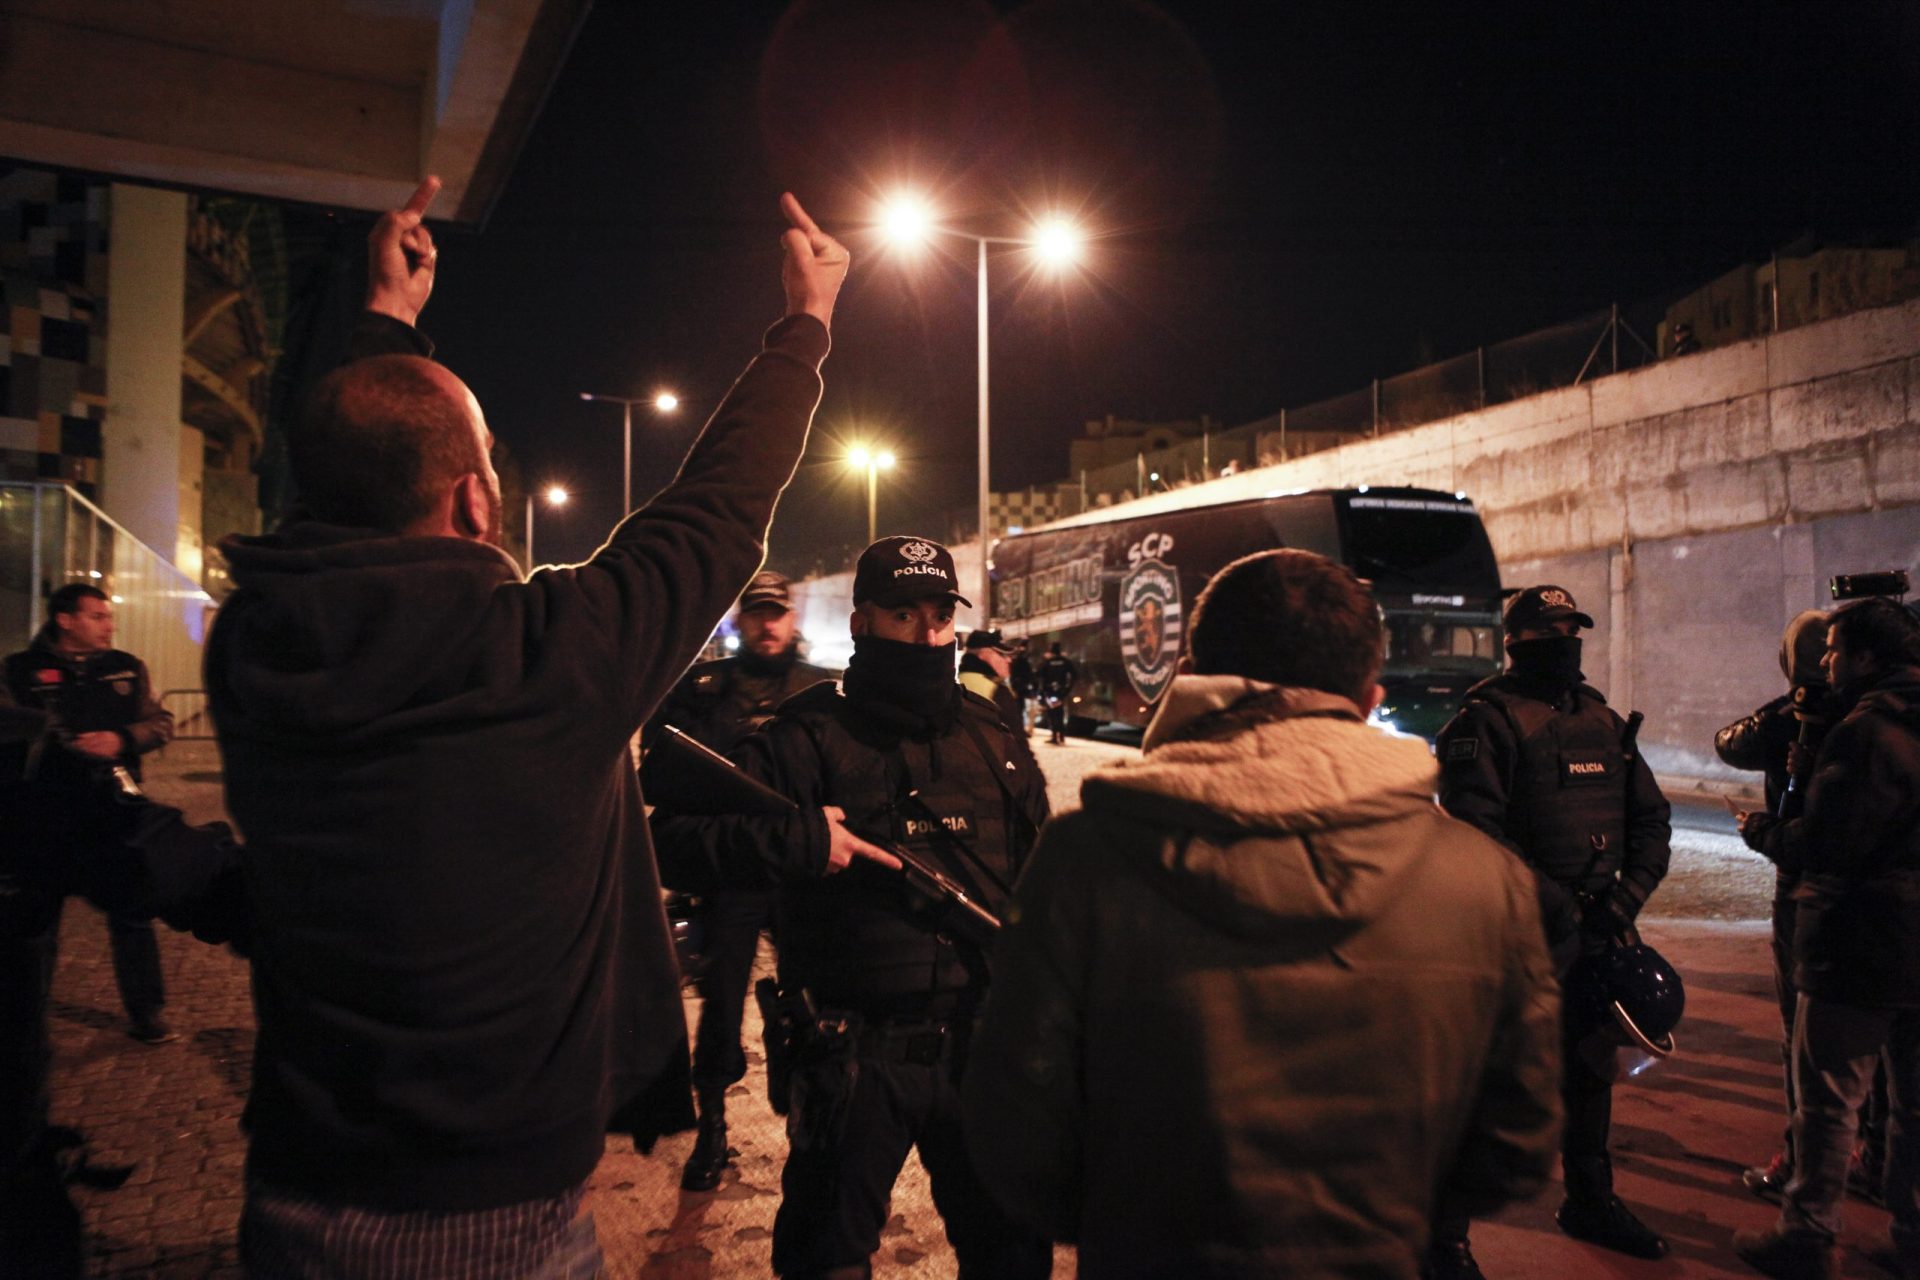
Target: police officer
x=903 y=753
x=1537 y=760
x=102 y=703
x=1056 y=675
x=717 y=704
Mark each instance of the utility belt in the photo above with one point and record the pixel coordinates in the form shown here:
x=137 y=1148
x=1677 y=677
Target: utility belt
x=798 y=1033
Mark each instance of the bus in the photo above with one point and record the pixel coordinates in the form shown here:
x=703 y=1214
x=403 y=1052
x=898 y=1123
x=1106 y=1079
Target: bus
x=1115 y=593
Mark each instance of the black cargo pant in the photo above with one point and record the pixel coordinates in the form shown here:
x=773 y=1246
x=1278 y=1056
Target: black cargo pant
x=136 y=962
x=854 y=1117
x=734 y=919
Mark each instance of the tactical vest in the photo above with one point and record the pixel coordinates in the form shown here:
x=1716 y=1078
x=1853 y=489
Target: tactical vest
x=853 y=938
x=1567 y=808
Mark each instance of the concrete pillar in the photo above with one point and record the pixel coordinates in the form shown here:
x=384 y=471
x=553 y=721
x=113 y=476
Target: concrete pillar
x=146 y=310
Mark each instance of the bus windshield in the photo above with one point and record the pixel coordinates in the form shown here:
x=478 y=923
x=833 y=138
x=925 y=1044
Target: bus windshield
x=1420 y=643
x=1418 y=544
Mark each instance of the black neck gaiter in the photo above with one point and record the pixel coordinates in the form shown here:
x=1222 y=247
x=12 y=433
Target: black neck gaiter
x=1551 y=663
x=908 y=687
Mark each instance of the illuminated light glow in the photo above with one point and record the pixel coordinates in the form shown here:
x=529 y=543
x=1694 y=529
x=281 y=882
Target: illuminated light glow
x=885 y=460
x=666 y=402
x=858 y=456
x=1057 y=242
x=93 y=573
x=586 y=395
x=1363 y=488
x=906 y=220
x=732 y=643
x=118 y=599
x=1154 y=476
x=556 y=496
x=1461 y=494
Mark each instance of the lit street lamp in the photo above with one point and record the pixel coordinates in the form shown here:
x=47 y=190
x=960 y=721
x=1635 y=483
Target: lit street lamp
x=907 y=220
x=662 y=402
x=873 y=463
x=555 y=497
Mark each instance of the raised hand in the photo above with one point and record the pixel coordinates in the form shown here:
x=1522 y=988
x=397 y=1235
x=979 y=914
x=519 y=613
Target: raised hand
x=814 y=266
x=401 y=257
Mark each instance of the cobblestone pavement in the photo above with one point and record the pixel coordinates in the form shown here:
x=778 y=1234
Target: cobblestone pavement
x=1683 y=1131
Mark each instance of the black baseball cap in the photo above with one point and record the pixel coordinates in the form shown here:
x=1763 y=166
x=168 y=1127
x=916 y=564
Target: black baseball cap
x=767 y=588
x=981 y=638
x=1542 y=606
x=900 y=570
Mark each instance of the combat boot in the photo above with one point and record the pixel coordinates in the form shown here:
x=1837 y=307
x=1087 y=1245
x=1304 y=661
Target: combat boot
x=1788 y=1255
x=1451 y=1260
x=1611 y=1225
x=711 y=1154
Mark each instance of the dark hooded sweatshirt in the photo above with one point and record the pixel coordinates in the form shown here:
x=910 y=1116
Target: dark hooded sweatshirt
x=1857 y=850
x=463 y=975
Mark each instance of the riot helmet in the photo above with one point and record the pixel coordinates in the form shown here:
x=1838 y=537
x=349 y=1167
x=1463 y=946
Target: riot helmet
x=1625 y=1001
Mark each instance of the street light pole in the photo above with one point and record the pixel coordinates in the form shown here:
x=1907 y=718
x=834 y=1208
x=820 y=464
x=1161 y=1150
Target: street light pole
x=985 y=600
x=556 y=497
x=906 y=220
x=664 y=402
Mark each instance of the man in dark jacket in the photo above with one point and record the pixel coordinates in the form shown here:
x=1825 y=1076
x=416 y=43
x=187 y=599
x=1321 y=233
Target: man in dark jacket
x=1856 y=943
x=1055 y=676
x=462 y=972
x=1258 y=999
x=717 y=704
x=1763 y=743
x=1537 y=760
x=905 y=755
x=102 y=704
x=986 y=668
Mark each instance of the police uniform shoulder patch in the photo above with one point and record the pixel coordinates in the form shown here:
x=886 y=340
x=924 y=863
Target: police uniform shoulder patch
x=1463 y=749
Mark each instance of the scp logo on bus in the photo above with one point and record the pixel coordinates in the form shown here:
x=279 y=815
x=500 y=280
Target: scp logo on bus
x=1155 y=546
x=1150 y=618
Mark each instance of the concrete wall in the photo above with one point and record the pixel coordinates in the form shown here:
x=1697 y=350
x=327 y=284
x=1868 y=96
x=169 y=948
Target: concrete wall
x=146 y=307
x=1692 y=506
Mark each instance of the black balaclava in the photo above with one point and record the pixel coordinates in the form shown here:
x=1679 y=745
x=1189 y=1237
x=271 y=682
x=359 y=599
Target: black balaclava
x=1552 y=663
x=910 y=687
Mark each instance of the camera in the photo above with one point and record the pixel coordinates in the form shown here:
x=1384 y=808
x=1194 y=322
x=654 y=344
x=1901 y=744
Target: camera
x=1861 y=586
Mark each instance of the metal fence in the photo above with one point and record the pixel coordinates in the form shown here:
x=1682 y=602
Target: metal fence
x=51 y=536
x=1589 y=346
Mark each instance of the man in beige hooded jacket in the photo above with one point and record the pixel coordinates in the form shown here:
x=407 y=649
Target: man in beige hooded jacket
x=1259 y=1001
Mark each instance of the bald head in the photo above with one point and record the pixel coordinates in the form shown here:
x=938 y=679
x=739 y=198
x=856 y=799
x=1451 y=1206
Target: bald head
x=394 y=443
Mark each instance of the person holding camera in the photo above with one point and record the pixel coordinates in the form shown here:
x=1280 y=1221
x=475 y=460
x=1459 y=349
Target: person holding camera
x=717 y=704
x=1856 y=943
x=1537 y=760
x=102 y=705
x=463 y=977
x=1765 y=743
x=901 y=754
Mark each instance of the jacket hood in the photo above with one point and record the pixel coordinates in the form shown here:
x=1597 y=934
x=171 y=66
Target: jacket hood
x=1293 y=800
x=1802 y=646
x=347 y=627
x=1895 y=695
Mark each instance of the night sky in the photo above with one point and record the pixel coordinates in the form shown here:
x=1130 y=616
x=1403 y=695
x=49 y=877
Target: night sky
x=1287 y=200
